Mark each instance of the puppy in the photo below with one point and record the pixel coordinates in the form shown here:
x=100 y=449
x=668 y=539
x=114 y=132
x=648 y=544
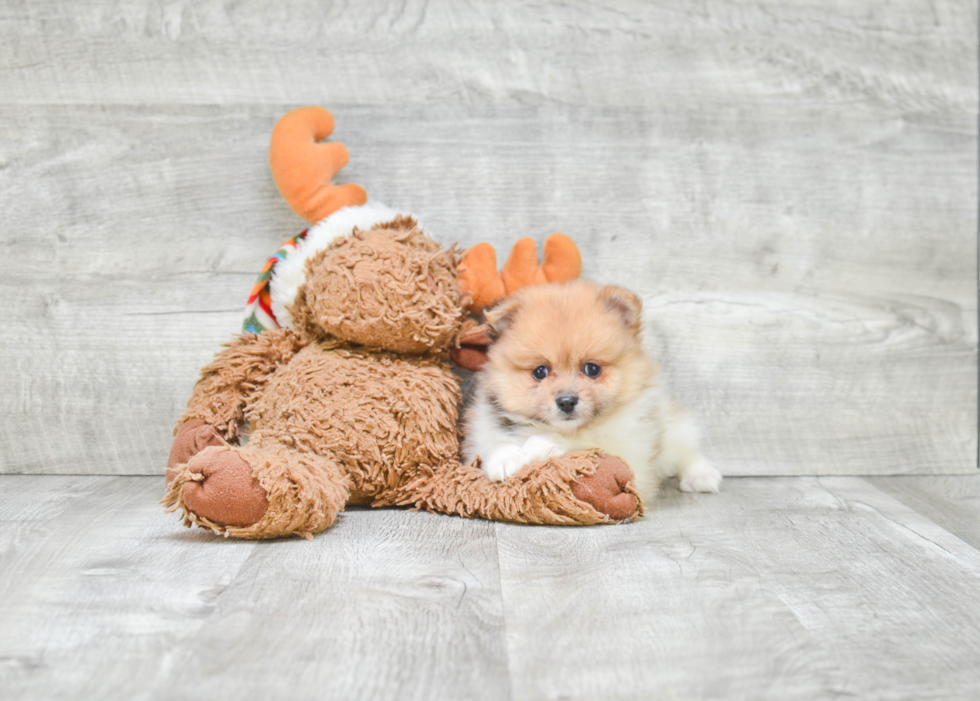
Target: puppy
x=568 y=372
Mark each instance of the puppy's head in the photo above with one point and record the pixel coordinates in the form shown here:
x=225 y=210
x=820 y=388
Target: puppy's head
x=566 y=354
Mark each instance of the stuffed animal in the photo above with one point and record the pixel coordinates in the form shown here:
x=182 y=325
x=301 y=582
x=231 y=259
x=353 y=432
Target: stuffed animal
x=342 y=380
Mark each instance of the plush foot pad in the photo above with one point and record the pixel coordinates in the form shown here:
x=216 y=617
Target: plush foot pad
x=228 y=494
x=609 y=489
x=193 y=437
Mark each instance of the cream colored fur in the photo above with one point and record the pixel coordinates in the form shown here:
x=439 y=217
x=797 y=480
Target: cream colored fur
x=630 y=417
x=655 y=440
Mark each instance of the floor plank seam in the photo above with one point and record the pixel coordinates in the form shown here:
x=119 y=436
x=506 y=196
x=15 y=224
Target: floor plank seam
x=503 y=614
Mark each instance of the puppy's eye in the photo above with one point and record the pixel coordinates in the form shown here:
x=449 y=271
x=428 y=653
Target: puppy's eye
x=540 y=372
x=591 y=370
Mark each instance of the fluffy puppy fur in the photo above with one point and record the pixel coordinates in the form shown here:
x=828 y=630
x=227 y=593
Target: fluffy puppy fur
x=567 y=372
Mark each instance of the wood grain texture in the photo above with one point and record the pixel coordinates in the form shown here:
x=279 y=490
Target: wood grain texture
x=777 y=589
x=98 y=589
x=791 y=189
x=952 y=501
x=627 y=53
x=131 y=271
x=391 y=605
x=107 y=597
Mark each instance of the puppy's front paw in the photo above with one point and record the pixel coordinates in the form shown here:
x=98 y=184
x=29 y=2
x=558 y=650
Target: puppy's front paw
x=509 y=458
x=701 y=476
x=504 y=461
x=538 y=448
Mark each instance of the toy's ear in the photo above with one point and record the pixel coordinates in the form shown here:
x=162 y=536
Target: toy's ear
x=624 y=304
x=303 y=167
x=471 y=348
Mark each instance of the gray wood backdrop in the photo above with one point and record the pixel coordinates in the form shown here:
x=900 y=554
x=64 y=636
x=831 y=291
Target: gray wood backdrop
x=791 y=186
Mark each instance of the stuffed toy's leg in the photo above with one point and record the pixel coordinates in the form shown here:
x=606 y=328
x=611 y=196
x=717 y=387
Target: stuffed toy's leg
x=259 y=491
x=581 y=488
x=227 y=382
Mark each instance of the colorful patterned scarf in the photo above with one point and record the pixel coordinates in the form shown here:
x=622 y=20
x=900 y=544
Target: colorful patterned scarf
x=259 y=316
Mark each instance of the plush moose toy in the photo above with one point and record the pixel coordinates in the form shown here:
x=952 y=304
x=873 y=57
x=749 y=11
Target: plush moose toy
x=342 y=380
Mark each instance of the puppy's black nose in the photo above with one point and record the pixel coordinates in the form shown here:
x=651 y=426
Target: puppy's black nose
x=567 y=402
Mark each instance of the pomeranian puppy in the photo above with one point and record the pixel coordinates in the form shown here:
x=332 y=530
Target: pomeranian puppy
x=567 y=372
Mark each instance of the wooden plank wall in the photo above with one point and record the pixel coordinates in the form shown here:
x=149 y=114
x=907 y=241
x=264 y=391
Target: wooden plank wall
x=792 y=187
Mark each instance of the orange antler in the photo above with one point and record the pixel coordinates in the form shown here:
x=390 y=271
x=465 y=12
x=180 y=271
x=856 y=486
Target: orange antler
x=479 y=278
x=303 y=167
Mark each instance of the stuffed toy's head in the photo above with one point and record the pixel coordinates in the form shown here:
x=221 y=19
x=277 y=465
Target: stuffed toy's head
x=370 y=276
x=390 y=288
x=363 y=274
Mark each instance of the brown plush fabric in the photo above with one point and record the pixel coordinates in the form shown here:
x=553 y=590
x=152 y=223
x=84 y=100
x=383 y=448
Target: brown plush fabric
x=392 y=288
x=305 y=492
x=193 y=437
x=220 y=395
x=378 y=416
x=542 y=493
x=359 y=406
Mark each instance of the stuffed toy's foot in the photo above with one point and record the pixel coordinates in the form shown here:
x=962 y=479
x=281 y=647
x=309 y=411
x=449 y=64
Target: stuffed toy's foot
x=222 y=489
x=193 y=437
x=609 y=490
x=260 y=492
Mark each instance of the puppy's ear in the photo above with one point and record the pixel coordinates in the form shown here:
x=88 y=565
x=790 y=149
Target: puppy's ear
x=502 y=315
x=623 y=304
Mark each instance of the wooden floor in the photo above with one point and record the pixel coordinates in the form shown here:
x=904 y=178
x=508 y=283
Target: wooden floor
x=778 y=588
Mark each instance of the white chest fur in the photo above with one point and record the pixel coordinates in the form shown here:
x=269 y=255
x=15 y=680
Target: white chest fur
x=653 y=436
x=632 y=432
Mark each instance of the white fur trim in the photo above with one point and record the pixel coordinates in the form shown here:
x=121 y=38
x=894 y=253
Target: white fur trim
x=289 y=274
